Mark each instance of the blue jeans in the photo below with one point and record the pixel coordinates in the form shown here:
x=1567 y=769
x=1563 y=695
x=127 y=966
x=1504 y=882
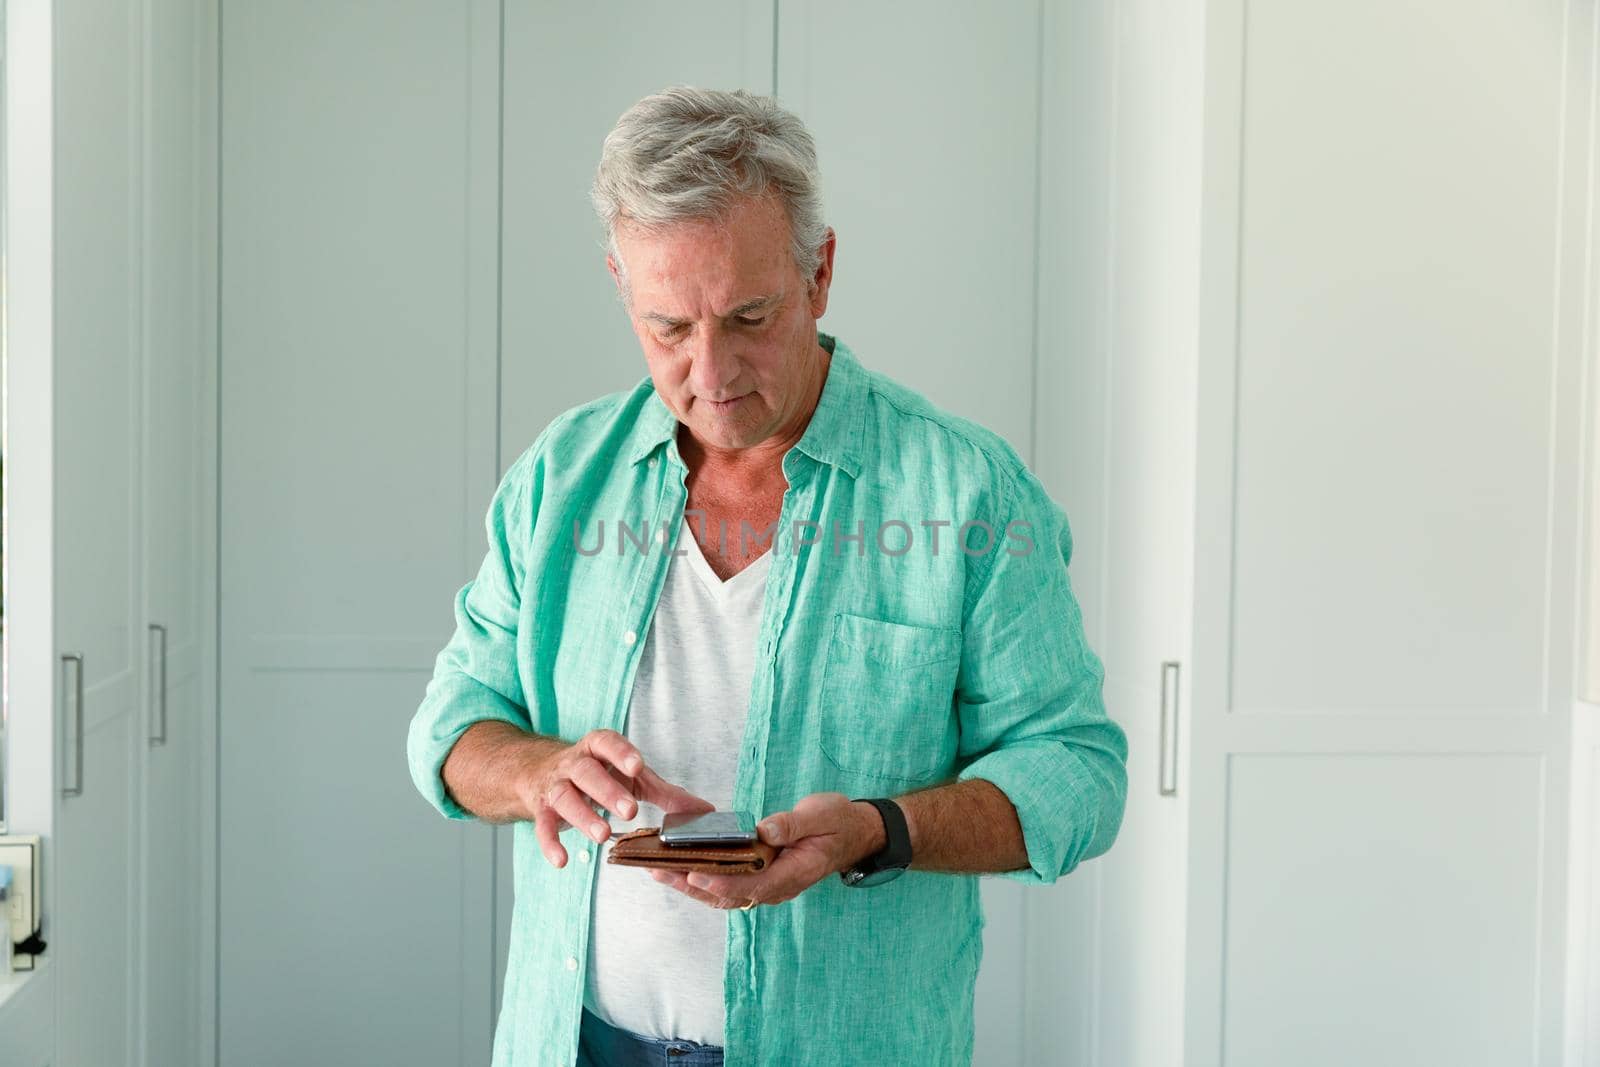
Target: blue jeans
x=603 y=1045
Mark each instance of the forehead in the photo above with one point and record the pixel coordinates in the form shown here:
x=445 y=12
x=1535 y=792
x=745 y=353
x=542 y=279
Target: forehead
x=708 y=264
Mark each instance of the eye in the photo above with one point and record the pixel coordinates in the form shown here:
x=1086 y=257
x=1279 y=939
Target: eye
x=752 y=322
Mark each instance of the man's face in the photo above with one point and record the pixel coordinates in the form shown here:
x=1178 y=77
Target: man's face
x=723 y=314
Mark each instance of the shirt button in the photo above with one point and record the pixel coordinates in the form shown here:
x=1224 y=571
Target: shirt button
x=572 y=963
x=651 y=462
x=630 y=637
x=583 y=855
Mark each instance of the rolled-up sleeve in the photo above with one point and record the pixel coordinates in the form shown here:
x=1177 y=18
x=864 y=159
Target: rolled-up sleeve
x=475 y=676
x=1029 y=692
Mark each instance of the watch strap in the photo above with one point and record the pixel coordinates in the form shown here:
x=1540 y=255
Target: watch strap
x=896 y=852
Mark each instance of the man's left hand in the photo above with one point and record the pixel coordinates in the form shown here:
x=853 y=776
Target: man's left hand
x=823 y=834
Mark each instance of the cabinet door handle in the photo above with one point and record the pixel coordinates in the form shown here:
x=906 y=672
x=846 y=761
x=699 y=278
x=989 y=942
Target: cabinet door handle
x=161 y=684
x=76 y=790
x=1169 y=729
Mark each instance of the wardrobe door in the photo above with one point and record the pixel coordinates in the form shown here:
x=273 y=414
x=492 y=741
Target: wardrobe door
x=1392 y=335
x=359 y=195
x=97 y=906
x=96 y=482
x=176 y=494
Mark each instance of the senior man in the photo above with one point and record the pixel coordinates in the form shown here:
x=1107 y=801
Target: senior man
x=766 y=578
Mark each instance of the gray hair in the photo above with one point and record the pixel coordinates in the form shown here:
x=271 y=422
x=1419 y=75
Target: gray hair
x=687 y=153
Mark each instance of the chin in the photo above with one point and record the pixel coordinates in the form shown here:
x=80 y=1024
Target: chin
x=725 y=436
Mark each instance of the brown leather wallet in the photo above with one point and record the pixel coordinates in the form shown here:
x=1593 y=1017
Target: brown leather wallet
x=643 y=848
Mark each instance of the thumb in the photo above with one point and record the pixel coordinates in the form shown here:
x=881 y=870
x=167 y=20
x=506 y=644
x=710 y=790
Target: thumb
x=812 y=816
x=784 y=828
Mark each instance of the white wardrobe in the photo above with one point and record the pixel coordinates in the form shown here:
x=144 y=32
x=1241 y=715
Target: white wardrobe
x=121 y=99
x=1345 y=332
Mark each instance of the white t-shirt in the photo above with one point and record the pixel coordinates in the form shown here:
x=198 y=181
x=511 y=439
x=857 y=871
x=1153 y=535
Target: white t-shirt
x=656 y=956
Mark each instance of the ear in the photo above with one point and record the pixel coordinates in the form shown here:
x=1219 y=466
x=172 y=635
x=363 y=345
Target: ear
x=824 y=275
x=623 y=296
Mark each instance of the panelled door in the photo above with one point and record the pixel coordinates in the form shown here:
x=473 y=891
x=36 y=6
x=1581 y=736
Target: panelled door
x=359 y=243
x=1393 y=308
x=97 y=528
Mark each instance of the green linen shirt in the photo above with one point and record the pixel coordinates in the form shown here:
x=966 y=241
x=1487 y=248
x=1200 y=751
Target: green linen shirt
x=894 y=653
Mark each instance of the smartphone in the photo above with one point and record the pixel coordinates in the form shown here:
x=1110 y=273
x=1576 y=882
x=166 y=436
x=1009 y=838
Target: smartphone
x=707 y=828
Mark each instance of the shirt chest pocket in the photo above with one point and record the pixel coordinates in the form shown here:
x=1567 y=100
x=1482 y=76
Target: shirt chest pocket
x=887 y=698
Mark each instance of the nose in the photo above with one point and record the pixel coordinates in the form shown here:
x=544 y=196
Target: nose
x=714 y=367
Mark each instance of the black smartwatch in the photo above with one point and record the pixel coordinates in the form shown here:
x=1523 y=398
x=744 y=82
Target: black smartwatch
x=895 y=856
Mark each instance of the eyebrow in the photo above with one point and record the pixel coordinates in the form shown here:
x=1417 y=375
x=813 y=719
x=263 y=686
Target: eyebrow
x=748 y=306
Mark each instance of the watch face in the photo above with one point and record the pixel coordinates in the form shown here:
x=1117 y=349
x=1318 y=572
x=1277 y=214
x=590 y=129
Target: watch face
x=877 y=877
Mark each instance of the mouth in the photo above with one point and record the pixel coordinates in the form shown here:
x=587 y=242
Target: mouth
x=722 y=406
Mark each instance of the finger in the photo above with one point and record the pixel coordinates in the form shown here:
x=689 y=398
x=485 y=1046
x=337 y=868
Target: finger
x=720 y=903
x=685 y=801
x=642 y=780
x=615 y=749
x=668 y=797
x=791 y=874
x=591 y=776
x=573 y=806
x=545 y=831
x=675 y=879
x=728 y=886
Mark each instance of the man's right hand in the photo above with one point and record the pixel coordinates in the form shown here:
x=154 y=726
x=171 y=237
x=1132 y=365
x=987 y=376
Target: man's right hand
x=602 y=767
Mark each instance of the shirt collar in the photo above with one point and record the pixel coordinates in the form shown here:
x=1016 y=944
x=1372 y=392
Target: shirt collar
x=832 y=436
